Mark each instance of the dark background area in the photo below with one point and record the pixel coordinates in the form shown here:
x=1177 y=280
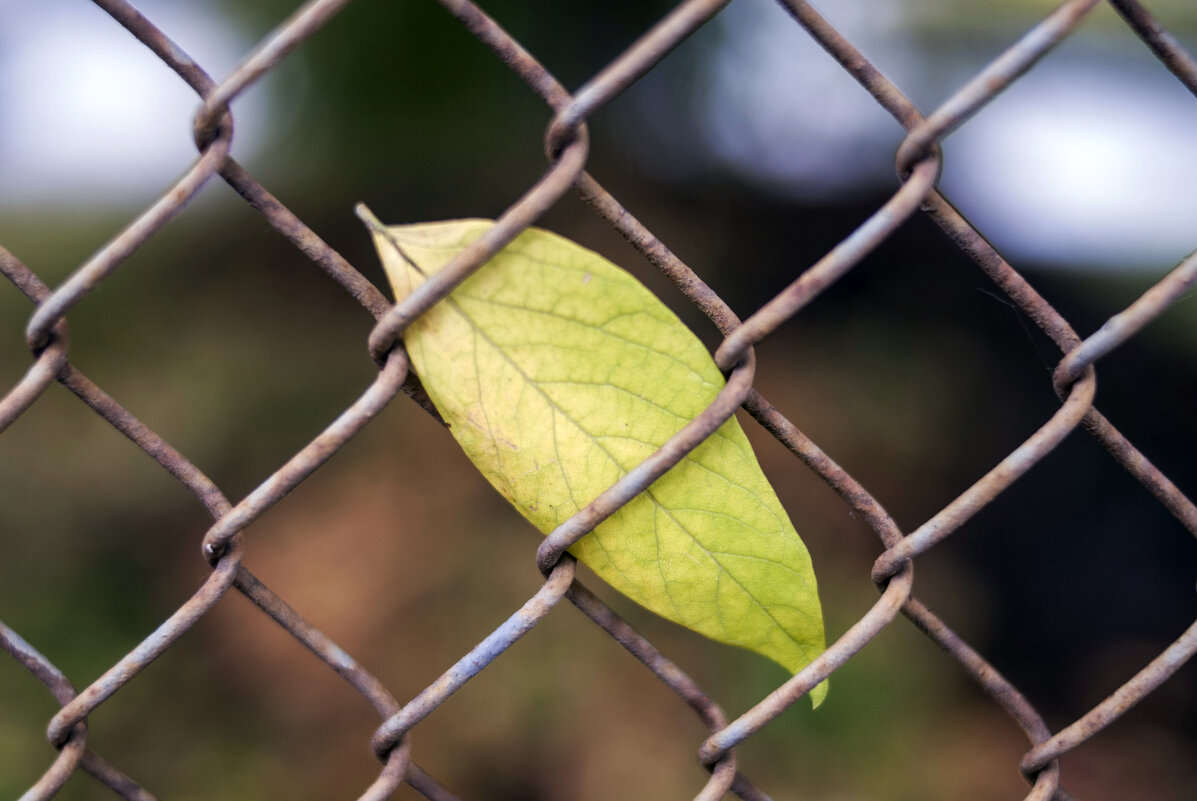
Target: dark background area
x=913 y=372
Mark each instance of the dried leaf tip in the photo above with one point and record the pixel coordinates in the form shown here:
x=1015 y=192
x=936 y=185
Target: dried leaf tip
x=367 y=217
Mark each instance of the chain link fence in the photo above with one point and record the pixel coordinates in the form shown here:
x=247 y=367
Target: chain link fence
x=566 y=142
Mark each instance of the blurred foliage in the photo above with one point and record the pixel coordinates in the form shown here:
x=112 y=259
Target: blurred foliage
x=912 y=372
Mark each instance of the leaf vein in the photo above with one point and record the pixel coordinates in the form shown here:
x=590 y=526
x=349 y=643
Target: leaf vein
x=600 y=328
x=451 y=302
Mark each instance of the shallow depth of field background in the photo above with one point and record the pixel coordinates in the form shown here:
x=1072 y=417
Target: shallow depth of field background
x=750 y=154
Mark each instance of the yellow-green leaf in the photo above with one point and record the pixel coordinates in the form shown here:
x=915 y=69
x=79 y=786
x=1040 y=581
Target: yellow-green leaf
x=557 y=372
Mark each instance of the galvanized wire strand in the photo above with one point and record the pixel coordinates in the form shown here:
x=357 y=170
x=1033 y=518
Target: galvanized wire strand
x=318 y=643
x=634 y=62
x=308 y=19
x=632 y=484
x=1050 y=321
x=1045 y=778
x=523 y=213
x=718 y=311
x=566 y=142
x=584 y=177
x=853 y=494
x=70 y=756
x=487 y=651
x=32 y=660
x=638 y=479
x=398 y=766
x=961 y=232
x=112 y=255
x=129 y=425
x=388 y=781
x=114 y=779
x=1061 y=332
x=49 y=363
x=851 y=491
x=697 y=291
x=1132 y=692
x=202 y=487
x=1007 y=471
x=747 y=791
x=310 y=458
x=1169 y=51
x=306 y=240
x=40 y=375
x=549 y=89
x=723 y=775
x=1170 y=496
x=1030 y=302
x=1038 y=309
x=358 y=286
x=319 y=252
x=991 y=80
x=511 y=53
x=833 y=266
x=1126 y=455
x=141 y=435
x=427 y=786
x=969 y=240
x=647 y=654
x=175 y=626
x=675 y=27
x=279 y=216
x=1119 y=328
x=858 y=635
x=1128 y=322
x=161 y=45
x=71 y=752
x=853 y=62
x=74 y=752
x=706 y=300
x=246 y=582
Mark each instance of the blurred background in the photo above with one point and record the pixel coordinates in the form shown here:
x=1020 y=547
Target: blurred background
x=750 y=153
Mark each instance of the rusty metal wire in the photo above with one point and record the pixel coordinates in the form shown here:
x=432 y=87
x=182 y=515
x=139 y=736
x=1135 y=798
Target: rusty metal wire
x=918 y=162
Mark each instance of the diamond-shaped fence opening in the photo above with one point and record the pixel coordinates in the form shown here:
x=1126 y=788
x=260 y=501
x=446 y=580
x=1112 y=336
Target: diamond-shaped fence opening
x=565 y=714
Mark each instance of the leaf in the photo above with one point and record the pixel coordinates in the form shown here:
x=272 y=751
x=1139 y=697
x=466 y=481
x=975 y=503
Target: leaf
x=557 y=372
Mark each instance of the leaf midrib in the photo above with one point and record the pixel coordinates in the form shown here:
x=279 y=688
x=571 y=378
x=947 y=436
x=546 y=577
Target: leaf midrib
x=451 y=301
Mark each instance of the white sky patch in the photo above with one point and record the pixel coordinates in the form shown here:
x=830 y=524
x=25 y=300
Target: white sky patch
x=88 y=113
x=1090 y=164
x=782 y=112
x=1087 y=161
